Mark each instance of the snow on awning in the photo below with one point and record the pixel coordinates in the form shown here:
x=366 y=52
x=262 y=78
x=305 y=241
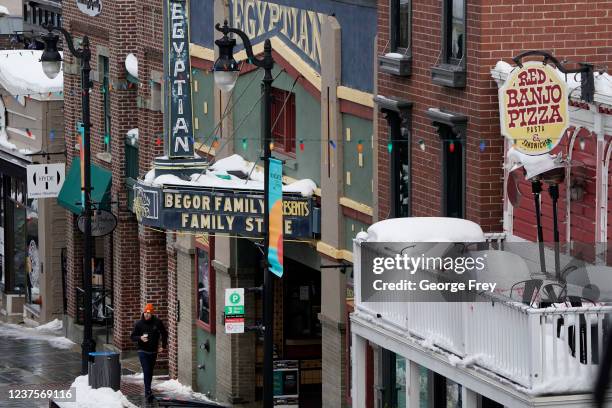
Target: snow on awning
x=4 y=11
x=423 y=229
x=131 y=65
x=21 y=74
x=533 y=165
x=232 y=172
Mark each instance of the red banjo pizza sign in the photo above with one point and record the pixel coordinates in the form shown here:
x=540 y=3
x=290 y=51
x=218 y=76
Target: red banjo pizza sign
x=533 y=108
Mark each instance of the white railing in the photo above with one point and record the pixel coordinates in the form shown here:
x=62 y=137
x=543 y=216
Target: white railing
x=538 y=349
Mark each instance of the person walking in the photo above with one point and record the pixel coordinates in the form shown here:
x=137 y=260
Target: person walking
x=147 y=332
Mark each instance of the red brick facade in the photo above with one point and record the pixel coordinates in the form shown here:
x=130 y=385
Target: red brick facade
x=139 y=258
x=495 y=30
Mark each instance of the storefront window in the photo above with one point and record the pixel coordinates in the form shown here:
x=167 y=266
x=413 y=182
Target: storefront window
x=13 y=231
x=2 y=262
x=205 y=289
x=19 y=245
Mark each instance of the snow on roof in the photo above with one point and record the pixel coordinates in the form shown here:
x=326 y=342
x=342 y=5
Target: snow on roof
x=218 y=176
x=131 y=64
x=603 y=81
x=534 y=165
x=424 y=229
x=21 y=74
x=4 y=11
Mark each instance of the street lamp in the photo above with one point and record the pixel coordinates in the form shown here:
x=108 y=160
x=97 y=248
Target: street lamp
x=226 y=73
x=51 y=62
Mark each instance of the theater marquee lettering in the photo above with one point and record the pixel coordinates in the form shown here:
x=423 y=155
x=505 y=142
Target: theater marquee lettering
x=301 y=27
x=218 y=211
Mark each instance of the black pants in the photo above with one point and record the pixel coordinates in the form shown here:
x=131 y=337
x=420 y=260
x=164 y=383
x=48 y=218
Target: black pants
x=147 y=361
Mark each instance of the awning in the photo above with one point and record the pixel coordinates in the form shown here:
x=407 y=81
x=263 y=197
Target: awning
x=70 y=195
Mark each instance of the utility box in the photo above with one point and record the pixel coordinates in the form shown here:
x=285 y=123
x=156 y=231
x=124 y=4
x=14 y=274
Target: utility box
x=104 y=370
x=286 y=384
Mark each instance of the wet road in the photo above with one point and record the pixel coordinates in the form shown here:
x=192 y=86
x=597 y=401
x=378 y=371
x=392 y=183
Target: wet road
x=34 y=364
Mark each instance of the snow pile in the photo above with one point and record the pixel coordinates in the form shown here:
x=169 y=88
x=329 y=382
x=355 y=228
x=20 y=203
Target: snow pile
x=87 y=397
x=232 y=172
x=21 y=74
x=132 y=136
x=131 y=65
x=424 y=229
x=4 y=11
x=53 y=326
x=534 y=165
x=173 y=388
x=395 y=55
x=48 y=333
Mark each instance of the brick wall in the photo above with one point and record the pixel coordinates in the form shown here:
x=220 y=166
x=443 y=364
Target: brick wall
x=124 y=26
x=495 y=30
x=172 y=323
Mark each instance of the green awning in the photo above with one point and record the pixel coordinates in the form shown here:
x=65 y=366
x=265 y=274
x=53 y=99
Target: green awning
x=70 y=195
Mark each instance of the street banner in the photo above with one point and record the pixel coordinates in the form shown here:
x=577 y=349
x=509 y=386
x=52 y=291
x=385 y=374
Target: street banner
x=533 y=108
x=45 y=180
x=275 y=217
x=81 y=140
x=178 y=85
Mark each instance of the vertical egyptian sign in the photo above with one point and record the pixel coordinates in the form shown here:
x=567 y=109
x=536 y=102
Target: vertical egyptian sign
x=180 y=130
x=275 y=220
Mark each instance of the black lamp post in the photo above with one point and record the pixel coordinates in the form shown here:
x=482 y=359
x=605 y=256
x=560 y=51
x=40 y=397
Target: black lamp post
x=226 y=72
x=51 y=62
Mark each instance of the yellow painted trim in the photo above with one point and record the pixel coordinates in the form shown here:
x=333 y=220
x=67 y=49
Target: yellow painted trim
x=205 y=149
x=333 y=252
x=292 y=58
x=204 y=53
x=357 y=206
x=354 y=95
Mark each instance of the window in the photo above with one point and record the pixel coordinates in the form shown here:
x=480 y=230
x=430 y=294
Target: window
x=156 y=97
x=453 y=175
x=397 y=57
x=25 y=12
x=283 y=121
x=454 y=36
x=205 y=296
x=452 y=128
x=451 y=71
x=105 y=79
x=398 y=114
x=393 y=380
x=401 y=26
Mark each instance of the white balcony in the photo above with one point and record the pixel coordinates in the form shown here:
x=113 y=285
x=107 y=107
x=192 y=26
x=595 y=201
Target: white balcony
x=534 y=351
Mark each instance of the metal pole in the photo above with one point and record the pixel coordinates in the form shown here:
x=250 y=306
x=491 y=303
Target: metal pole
x=536 y=189
x=268 y=307
x=553 y=190
x=88 y=345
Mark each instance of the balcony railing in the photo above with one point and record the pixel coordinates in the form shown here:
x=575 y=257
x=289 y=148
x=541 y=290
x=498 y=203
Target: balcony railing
x=539 y=349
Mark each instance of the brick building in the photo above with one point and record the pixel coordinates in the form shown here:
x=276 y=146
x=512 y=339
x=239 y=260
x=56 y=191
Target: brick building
x=439 y=144
x=126 y=119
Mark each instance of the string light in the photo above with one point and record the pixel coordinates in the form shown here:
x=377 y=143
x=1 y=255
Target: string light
x=271 y=145
x=52 y=135
x=359 y=147
x=451 y=147
x=332 y=144
x=215 y=143
x=390 y=146
x=107 y=139
x=422 y=144
x=244 y=144
x=482 y=146
x=582 y=143
x=158 y=141
x=301 y=145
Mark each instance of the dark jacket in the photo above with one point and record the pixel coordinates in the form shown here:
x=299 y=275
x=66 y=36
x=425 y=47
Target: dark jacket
x=155 y=328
